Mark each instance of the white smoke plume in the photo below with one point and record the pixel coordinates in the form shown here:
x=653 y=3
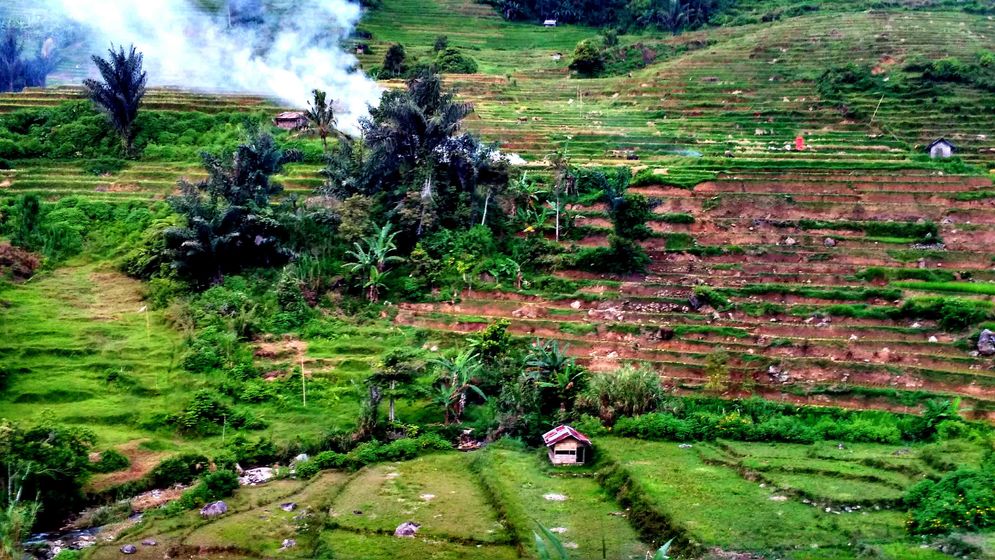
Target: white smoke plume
x=293 y=49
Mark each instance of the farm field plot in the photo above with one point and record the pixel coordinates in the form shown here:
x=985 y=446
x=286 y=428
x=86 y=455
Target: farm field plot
x=702 y=494
x=456 y=520
x=573 y=506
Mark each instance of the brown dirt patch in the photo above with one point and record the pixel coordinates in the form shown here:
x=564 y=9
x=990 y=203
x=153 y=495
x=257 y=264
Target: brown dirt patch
x=17 y=263
x=142 y=462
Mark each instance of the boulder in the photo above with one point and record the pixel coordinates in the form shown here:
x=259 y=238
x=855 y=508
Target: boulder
x=129 y=549
x=214 y=509
x=986 y=343
x=694 y=302
x=256 y=476
x=289 y=506
x=149 y=542
x=288 y=543
x=829 y=242
x=406 y=529
x=300 y=459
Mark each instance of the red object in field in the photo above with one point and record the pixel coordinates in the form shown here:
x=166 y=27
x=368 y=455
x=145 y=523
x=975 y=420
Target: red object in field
x=799 y=143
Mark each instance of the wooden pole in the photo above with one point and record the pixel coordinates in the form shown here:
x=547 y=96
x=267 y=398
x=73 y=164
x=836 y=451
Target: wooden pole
x=303 y=385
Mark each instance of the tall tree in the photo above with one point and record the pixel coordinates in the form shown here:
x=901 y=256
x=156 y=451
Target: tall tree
x=396 y=370
x=320 y=118
x=10 y=61
x=456 y=376
x=374 y=258
x=120 y=92
x=230 y=224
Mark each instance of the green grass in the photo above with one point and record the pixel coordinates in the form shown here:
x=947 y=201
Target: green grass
x=707 y=503
x=587 y=519
x=436 y=491
x=980 y=288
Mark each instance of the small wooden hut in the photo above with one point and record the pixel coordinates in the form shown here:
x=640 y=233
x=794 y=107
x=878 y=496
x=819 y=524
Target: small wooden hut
x=290 y=120
x=567 y=446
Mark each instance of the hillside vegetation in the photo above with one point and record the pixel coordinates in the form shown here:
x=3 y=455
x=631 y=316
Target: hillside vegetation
x=716 y=245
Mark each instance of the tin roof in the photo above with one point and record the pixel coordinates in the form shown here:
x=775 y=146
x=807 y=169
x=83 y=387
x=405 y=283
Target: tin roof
x=562 y=432
x=290 y=115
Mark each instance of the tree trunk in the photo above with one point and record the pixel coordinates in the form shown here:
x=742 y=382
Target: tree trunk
x=487 y=198
x=557 y=216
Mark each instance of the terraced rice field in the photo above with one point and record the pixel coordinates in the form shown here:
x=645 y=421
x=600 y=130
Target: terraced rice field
x=780 y=233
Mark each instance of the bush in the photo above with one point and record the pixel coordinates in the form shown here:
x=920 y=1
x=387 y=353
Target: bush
x=110 y=460
x=177 y=470
x=622 y=256
x=629 y=217
x=952 y=314
x=588 y=58
x=960 y=501
x=453 y=61
x=103 y=166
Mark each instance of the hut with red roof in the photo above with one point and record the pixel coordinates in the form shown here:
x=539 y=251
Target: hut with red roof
x=567 y=446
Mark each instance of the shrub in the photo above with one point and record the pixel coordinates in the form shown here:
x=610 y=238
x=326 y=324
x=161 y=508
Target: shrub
x=627 y=392
x=622 y=256
x=952 y=314
x=180 y=469
x=110 y=460
x=588 y=59
x=961 y=501
x=629 y=217
x=453 y=61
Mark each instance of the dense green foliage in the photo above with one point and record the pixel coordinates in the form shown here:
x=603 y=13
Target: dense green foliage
x=962 y=500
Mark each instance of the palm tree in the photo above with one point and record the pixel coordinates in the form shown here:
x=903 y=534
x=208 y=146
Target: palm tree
x=121 y=91
x=374 y=257
x=455 y=379
x=320 y=118
x=548 y=358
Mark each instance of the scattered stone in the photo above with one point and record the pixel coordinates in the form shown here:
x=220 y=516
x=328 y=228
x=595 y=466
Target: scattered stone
x=149 y=542
x=778 y=498
x=790 y=242
x=853 y=338
x=917 y=325
x=288 y=543
x=214 y=509
x=129 y=549
x=575 y=305
x=406 y=530
x=933 y=339
x=986 y=343
x=829 y=242
x=558 y=530
x=300 y=459
x=427 y=497
x=555 y=497
x=256 y=476
x=289 y=506
x=684 y=446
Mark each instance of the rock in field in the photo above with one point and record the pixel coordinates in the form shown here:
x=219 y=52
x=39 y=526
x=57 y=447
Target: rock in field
x=149 y=542
x=406 y=529
x=289 y=506
x=986 y=343
x=129 y=549
x=256 y=476
x=214 y=509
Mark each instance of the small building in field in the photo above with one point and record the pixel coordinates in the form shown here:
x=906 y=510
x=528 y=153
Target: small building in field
x=290 y=120
x=941 y=148
x=549 y=23
x=567 y=446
